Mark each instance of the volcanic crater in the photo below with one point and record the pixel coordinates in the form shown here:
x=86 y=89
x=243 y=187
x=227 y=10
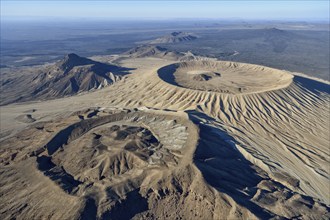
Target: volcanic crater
x=224 y=76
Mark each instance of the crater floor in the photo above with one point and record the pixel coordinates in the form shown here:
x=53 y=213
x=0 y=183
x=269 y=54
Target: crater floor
x=225 y=77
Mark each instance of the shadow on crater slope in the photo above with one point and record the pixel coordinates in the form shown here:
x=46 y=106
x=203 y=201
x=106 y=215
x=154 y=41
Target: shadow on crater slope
x=312 y=85
x=166 y=74
x=226 y=169
x=128 y=208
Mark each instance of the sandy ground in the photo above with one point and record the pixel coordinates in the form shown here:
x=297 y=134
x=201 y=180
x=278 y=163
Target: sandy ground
x=226 y=77
x=214 y=155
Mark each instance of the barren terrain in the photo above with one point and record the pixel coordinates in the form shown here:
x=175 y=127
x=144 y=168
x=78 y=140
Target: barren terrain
x=198 y=139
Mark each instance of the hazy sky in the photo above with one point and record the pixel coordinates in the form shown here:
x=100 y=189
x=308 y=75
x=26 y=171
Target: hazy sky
x=296 y=10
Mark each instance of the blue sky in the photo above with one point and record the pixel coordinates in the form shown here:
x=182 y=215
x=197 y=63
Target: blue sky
x=270 y=10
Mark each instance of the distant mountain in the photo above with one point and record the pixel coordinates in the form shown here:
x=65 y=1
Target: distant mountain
x=161 y=52
x=174 y=37
x=153 y=51
x=69 y=76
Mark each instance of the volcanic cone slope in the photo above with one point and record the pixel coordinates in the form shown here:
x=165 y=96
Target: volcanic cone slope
x=283 y=128
x=224 y=77
x=166 y=147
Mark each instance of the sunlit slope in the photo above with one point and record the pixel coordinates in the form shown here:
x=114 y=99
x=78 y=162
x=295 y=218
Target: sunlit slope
x=285 y=130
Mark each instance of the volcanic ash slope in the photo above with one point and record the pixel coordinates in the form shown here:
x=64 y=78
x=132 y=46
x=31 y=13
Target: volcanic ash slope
x=277 y=121
x=113 y=164
x=193 y=140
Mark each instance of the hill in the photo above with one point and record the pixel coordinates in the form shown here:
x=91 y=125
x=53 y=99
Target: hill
x=174 y=37
x=144 y=51
x=71 y=75
x=153 y=51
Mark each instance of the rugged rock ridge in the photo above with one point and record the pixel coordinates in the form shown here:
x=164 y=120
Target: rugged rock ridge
x=71 y=60
x=71 y=75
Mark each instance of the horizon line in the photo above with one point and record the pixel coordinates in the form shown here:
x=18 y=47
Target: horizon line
x=167 y=18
